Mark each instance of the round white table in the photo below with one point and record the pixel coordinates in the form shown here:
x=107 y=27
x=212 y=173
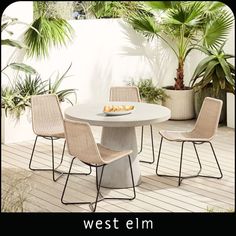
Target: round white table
x=118 y=133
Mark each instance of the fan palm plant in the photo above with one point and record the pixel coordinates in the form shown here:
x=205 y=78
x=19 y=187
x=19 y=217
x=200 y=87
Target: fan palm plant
x=54 y=31
x=182 y=26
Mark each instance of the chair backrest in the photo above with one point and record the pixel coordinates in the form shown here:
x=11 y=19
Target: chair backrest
x=46 y=113
x=81 y=143
x=125 y=94
x=208 y=118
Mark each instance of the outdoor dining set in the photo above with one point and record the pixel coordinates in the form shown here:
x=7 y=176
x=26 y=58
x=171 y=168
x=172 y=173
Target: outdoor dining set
x=116 y=157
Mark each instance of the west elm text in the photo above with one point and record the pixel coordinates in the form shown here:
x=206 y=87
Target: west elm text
x=114 y=224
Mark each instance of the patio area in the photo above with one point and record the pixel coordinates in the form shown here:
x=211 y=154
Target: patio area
x=154 y=194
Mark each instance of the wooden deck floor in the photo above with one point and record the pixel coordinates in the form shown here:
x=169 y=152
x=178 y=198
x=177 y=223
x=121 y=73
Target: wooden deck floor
x=155 y=194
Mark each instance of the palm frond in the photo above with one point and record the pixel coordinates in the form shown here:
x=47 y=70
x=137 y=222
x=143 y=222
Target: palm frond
x=188 y=15
x=53 y=32
x=144 y=24
x=212 y=9
x=217 y=30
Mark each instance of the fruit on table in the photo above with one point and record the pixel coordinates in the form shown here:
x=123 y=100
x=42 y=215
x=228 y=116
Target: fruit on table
x=116 y=108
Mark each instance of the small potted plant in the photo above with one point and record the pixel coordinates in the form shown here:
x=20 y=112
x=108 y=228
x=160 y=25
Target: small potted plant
x=15 y=103
x=214 y=76
x=149 y=92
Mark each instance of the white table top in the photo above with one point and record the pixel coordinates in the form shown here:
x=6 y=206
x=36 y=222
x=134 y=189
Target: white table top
x=143 y=114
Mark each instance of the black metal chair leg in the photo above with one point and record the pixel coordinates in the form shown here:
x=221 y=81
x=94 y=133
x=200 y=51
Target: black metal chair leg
x=199 y=162
x=67 y=178
x=133 y=186
x=31 y=158
x=43 y=169
x=159 y=155
x=54 y=169
x=113 y=198
x=97 y=182
x=180 y=164
x=65 y=186
x=132 y=177
x=141 y=148
x=153 y=151
x=221 y=174
x=98 y=186
x=93 y=209
x=180 y=178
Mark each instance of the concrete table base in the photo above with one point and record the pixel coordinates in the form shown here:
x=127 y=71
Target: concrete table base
x=117 y=174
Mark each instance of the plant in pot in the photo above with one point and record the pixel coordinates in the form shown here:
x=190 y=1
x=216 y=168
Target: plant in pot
x=149 y=92
x=16 y=97
x=16 y=102
x=213 y=77
x=182 y=26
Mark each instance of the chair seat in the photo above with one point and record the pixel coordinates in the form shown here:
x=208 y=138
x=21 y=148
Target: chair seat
x=52 y=133
x=109 y=155
x=183 y=136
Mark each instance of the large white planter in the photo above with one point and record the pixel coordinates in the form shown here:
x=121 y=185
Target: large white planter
x=13 y=130
x=230 y=110
x=181 y=104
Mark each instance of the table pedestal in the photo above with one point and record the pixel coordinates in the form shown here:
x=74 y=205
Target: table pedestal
x=117 y=174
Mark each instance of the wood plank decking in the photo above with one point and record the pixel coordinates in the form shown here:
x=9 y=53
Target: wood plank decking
x=155 y=194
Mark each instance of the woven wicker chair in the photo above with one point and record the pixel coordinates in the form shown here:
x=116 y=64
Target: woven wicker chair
x=81 y=145
x=203 y=132
x=131 y=94
x=47 y=122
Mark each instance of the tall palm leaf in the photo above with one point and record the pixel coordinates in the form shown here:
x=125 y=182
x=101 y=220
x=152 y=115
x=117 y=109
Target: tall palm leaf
x=53 y=32
x=187 y=23
x=217 y=29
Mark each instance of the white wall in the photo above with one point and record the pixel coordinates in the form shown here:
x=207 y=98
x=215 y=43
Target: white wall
x=106 y=52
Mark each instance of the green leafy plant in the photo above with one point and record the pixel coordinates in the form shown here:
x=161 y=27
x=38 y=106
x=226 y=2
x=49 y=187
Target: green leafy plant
x=6 y=22
x=53 y=87
x=182 y=26
x=13 y=102
x=149 y=92
x=16 y=97
x=112 y=9
x=31 y=85
x=54 y=31
x=214 y=71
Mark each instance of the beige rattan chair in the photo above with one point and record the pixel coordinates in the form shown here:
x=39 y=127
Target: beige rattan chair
x=47 y=122
x=203 y=132
x=131 y=94
x=81 y=145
